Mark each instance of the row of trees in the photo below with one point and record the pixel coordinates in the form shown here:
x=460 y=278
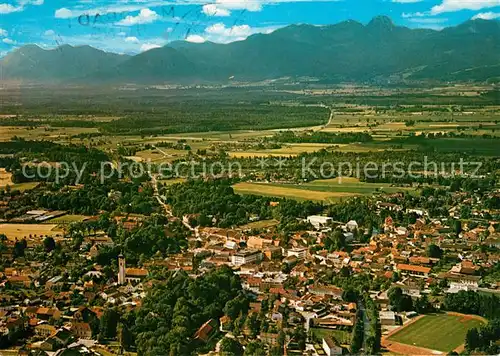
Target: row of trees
x=373 y=341
x=321 y=137
x=470 y=302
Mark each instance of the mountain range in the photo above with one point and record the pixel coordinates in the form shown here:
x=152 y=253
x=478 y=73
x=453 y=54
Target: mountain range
x=347 y=51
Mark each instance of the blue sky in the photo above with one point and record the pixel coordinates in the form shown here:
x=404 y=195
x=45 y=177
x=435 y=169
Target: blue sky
x=132 y=26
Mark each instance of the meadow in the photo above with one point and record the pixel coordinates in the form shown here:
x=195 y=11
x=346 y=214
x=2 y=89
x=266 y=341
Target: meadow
x=441 y=332
x=270 y=190
x=343 y=337
x=261 y=224
x=19 y=231
x=327 y=190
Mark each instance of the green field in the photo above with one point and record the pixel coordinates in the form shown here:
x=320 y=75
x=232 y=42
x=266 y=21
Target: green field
x=68 y=219
x=288 y=191
x=331 y=190
x=441 y=332
x=350 y=185
x=262 y=224
x=341 y=336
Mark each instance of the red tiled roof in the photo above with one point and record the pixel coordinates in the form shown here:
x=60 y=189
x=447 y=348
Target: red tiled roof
x=413 y=268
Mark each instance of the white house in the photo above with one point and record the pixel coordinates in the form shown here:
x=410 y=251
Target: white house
x=349 y=236
x=299 y=252
x=387 y=318
x=351 y=225
x=460 y=282
x=331 y=347
x=319 y=221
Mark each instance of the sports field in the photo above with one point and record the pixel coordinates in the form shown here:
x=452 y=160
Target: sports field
x=68 y=219
x=441 y=332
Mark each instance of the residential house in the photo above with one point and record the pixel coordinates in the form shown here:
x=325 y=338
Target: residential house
x=206 y=331
x=387 y=317
x=81 y=330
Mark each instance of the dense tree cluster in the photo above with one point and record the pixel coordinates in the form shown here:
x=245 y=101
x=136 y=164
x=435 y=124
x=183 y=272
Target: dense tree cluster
x=173 y=310
x=114 y=196
x=469 y=302
x=484 y=339
x=321 y=137
x=216 y=203
x=154 y=236
x=203 y=117
x=400 y=302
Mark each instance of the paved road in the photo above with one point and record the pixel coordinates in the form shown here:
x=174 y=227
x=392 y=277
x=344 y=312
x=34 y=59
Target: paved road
x=168 y=212
x=156 y=194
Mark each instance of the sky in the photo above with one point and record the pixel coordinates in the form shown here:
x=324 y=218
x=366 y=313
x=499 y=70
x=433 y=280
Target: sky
x=133 y=26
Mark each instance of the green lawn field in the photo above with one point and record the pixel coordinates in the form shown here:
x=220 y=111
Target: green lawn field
x=439 y=332
x=343 y=337
x=330 y=190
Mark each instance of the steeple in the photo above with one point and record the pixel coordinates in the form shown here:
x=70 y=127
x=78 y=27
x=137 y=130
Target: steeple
x=121 y=269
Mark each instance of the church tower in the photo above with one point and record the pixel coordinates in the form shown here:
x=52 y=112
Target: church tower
x=121 y=269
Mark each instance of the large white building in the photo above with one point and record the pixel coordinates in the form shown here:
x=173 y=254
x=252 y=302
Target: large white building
x=319 y=221
x=460 y=282
x=244 y=257
x=299 y=252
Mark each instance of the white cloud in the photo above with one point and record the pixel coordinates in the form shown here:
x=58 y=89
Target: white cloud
x=195 y=39
x=487 y=16
x=8 y=8
x=235 y=31
x=63 y=13
x=8 y=41
x=3 y=32
x=124 y=6
x=427 y=20
x=30 y=2
x=406 y=15
x=249 y=5
x=132 y=39
x=49 y=33
x=457 y=5
x=213 y=10
x=148 y=46
x=115 y=44
x=222 y=34
x=145 y=16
